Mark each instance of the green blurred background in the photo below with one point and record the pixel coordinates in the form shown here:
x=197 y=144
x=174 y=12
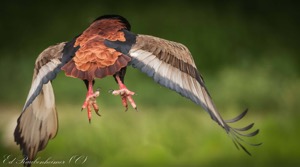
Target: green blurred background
x=247 y=52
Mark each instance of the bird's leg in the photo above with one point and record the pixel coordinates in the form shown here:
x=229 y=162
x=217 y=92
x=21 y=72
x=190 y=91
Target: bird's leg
x=90 y=100
x=124 y=93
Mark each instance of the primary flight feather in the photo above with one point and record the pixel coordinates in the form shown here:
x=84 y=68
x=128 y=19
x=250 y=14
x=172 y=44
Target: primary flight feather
x=106 y=48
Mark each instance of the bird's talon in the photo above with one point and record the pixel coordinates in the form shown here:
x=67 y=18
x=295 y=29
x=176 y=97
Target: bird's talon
x=96 y=108
x=90 y=101
x=97 y=112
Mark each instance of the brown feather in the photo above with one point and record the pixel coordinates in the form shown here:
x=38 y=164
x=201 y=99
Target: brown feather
x=94 y=71
x=169 y=52
x=93 y=58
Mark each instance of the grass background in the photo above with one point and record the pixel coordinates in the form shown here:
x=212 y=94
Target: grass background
x=247 y=52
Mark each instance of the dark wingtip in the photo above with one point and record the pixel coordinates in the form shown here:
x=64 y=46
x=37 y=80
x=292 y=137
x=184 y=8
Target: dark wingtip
x=239 y=117
x=20 y=141
x=255 y=144
x=245 y=128
x=237 y=133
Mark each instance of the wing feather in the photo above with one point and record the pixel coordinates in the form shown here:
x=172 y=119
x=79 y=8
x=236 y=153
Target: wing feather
x=47 y=65
x=171 y=65
x=38 y=123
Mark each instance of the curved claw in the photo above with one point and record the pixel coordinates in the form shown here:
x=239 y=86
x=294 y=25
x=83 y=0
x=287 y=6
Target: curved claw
x=90 y=101
x=96 y=108
x=124 y=93
x=97 y=112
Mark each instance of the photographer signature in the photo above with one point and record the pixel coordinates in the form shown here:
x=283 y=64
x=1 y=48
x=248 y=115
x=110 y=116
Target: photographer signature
x=74 y=159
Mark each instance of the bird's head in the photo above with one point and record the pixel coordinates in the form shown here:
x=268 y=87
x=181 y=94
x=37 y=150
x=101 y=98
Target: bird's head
x=115 y=17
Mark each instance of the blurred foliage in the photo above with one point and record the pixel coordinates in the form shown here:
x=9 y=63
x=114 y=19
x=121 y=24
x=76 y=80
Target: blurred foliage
x=247 y=52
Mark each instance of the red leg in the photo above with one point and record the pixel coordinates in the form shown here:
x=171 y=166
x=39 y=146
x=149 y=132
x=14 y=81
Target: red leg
x=90 y=101
x=125 y=94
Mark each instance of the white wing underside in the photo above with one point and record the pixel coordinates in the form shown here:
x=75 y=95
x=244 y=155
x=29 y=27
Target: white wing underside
x=171 y=64
x=173 y=77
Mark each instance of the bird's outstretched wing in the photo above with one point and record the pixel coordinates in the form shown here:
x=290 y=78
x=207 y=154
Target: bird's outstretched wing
x=38 y=120
x=171 y=65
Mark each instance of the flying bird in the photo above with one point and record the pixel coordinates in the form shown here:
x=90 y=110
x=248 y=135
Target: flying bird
x=104 y=49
